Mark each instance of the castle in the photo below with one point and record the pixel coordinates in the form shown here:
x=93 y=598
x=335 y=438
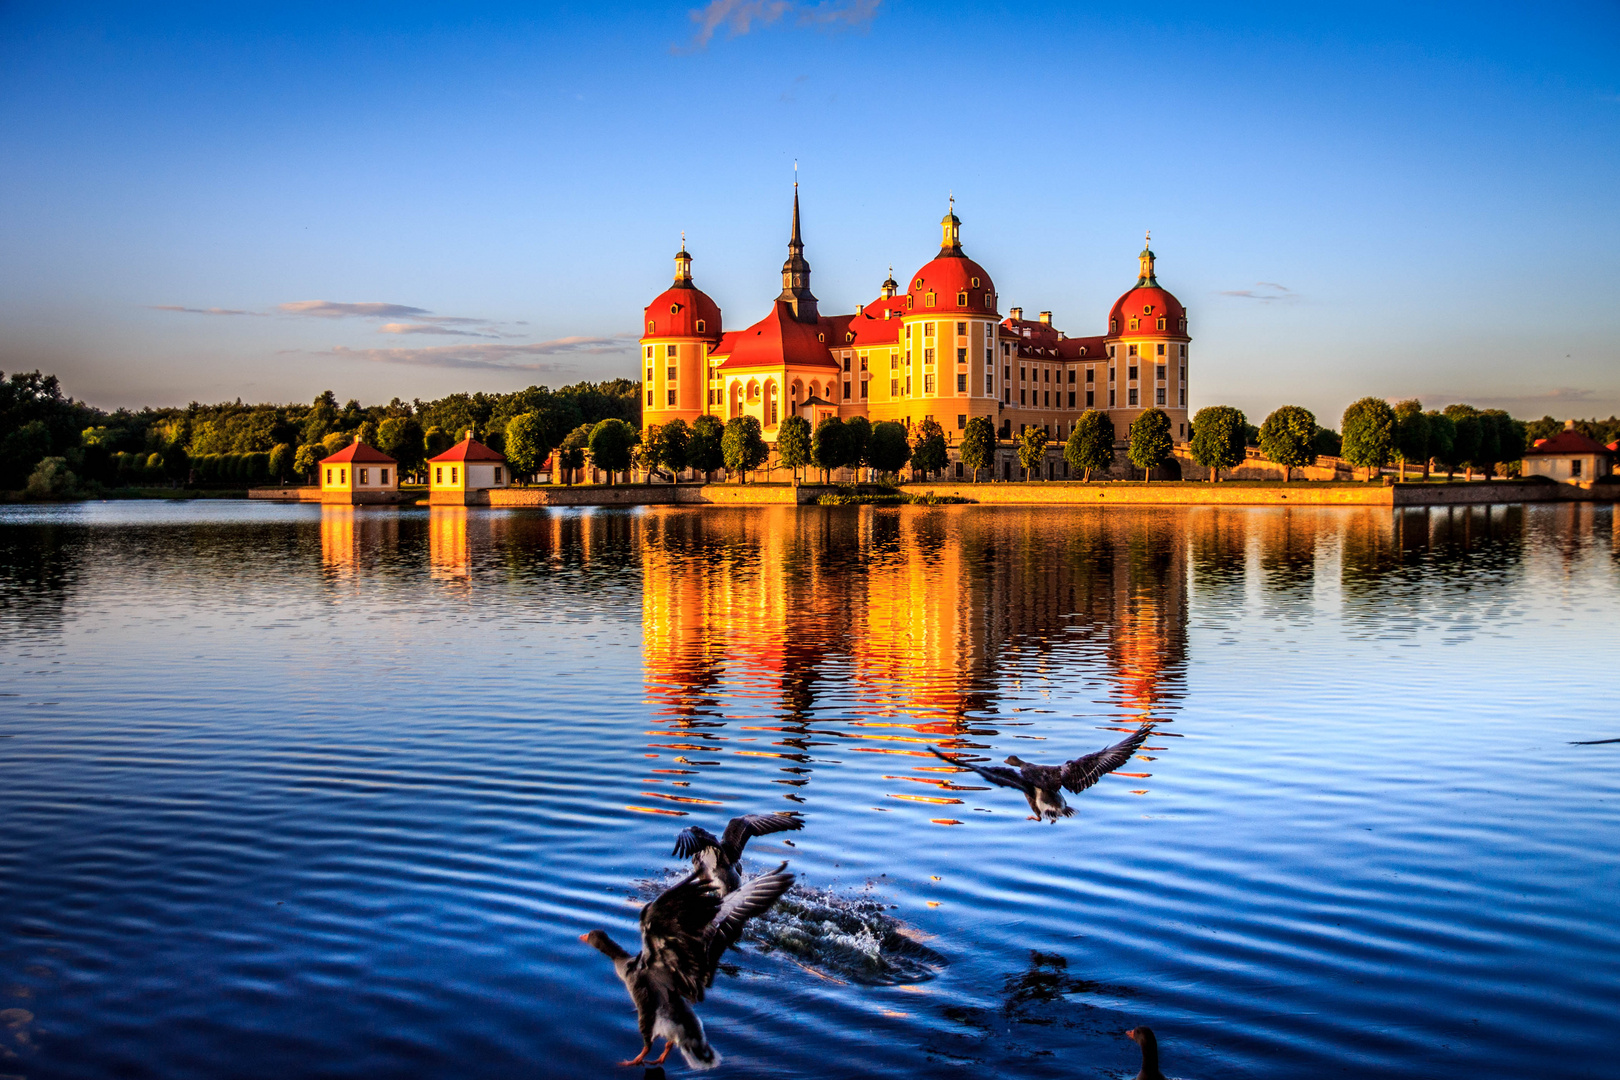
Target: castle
x=936 y=349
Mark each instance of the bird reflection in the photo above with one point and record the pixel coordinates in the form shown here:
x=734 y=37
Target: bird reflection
x=684 y=932
x=714 y=861
x=1043 y=785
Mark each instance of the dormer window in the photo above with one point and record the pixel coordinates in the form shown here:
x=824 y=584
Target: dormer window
x=961 y=299
x=849 y=337
x=975 y=283
x=1113 y=326
x=674 y=308
x=1183 y=325
x=1134 y=323
x=1161 y=324
x=821 y=337
x=1147 y=309
x=700 y=326
x=930 y=298
x=649 y=326
x=917 y=285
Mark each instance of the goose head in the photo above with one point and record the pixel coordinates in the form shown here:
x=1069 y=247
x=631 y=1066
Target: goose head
x=598 y=940
x=1016 y=762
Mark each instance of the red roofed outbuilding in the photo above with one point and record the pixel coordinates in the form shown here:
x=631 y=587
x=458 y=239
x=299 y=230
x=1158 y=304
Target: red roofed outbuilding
x=358 y=473
x=457 y=476
x=1569 y=457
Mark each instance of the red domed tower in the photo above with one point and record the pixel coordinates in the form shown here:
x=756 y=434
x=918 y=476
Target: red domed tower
x=1147 y=351
x=680 y=327
x=947 y=341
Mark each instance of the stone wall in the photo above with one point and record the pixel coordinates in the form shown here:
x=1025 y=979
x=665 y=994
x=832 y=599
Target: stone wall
x=657 y=495
x=1161 y=494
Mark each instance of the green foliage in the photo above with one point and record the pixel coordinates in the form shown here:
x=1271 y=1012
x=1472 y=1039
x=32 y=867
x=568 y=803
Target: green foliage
x=51 y=479
x=1031 y=449
x=888 y=451
x=928 y=453
x=1327 y=442
x=281 y=462
x=1220 y=436
x=1511 y=441
x=1288 y=438
x=793 y=443
x=1442 y=438
x=677 y=438
x=335 y=441
x=22 y=449
x=526 y=449
x=177 y=463
x=978 y=449
x=829 y=449
x=742 y=446
x=1369 y=433
x=1411 y=444
x=703 y=450
x=402 y=438
x=306 y=460
x=858 y=437
x=571 y=452
x=1150 y=441
x=1466 y=441
x=1091 y=443
x=610 y=443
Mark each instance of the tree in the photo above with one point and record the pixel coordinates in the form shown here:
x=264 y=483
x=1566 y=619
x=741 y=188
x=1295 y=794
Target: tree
x=1327 y=442
x=829 y=447
x=526 y=448
x=742 y=446
x=858 y=437
x=571 y=453
x=177 y=464
x=51 y=479
x=1150 y=441
x=703 y=451
x=1411 y=434
x=281 y=462
x=1465 y=443
x=366 y=433
x=21 y=450
x=1510 y=438
x=1031 y=449
x=1288 y=438
x=308 y=460
x=929 y=454
x=979 y=445
x=1091 y=443
x=1442 y=440
x=677 y=437
x=610 y=442
x=402 y=438
x=888 y=451
x=793 y=444
x=1369 y=434
x=1220 y=436
x=436 y=441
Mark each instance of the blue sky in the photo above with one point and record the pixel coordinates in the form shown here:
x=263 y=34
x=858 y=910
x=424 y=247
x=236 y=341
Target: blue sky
x=406 y=200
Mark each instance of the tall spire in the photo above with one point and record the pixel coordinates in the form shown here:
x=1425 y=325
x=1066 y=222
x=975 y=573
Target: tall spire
x=951 y=231
x=1146 y=277
x=796 y=270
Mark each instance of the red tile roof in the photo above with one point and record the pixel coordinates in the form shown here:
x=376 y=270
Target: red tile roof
x=1568 y=442
x=359 y=453
x=676 y=311
x=469 y=449
x=780 y=340
x=950 y=278
x=1147 y=304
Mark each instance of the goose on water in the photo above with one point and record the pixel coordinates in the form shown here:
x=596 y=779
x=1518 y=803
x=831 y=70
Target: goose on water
x=684 y=932
x=1143 y=1037
x=1042 y=784
x=715 y=860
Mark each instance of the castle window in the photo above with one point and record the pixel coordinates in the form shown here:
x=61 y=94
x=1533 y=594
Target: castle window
x=1023 y=374
x=928 y=384
x=917 y=285
x=1111 y=374
x=1147 y=309
x=849 y=337
x=1071 y=374
x=961 y=356
x=1183 y=328
x=1113 y=328
x=1023 y=397
x=961 y=299
x=961 y=382
x=1131 y=396
x=1184 y=352
x=1049 y=398
x=1091 y=398
x=1006 y=372
x=1082 y=350
x=975 y=283
x=1184 y=396
x=846 y=363
x=1091 y=375
x=672 y=398
x=1130 y=373
x=894 y=388
x=669 y=350
x=438 y=474
x=846 y=391
x=928 y=356
x=1134 y=323
x=1111 y=349
x=673 y=308
x=1184 y=373
x=1159 y=394
x=908 y=385
x=1110 y=399
x=1159 y=373
x=961 y=329
x=989 y=386
x=1161 y=349
x=894 y=360
x=961 y=422
x=1071 y=399
x=649 y=374
x=989 y=356
x=649 y=326
x=670 y=374
x=930 y=298
x=649 y=352
x=928 y=329
x=700 y=326
x=1047 y=374
x=1130 y=350
x=1161 y=324
x=649 y=397
x=989 y=302
x=821 y=337
x=864 y=388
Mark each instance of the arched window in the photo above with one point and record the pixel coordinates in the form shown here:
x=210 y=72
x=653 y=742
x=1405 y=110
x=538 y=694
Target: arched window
x=700 y=326
x=961 y=299
x=930 y=298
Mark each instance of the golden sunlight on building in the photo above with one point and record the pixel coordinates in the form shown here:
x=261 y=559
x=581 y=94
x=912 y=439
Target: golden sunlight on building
x=358 y=474
x=457 y=476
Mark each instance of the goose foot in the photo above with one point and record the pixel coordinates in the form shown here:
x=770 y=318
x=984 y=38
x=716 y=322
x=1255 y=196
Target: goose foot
x=641 y=1057
x=661 y=1057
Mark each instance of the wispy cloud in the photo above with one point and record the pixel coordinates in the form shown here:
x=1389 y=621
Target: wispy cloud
x=201 y=311
x=492 y=357
x=332 y=309
x=430 y=328
x=738 y=17
x=1265 y=291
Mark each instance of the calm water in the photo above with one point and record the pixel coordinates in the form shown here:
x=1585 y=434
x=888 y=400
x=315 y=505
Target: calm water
x=287 y=791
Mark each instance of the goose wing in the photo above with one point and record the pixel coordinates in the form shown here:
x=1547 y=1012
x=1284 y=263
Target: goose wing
x=741 y=829
x=996 y=774
x=693 y=839
x=1082 y=772
x=672 y=935
x=754 y=897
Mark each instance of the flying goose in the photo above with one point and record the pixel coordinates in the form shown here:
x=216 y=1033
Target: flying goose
x=1042 y=784
x=715 y=861
x=1143 y=1037
x=684 y=932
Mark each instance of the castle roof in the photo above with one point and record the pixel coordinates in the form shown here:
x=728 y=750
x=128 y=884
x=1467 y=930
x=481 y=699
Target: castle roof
x=468 y=449
x=780 y=340
x=359 y=453
x=1566 y=442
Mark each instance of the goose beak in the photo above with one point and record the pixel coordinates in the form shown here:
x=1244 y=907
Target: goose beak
x=585 y=938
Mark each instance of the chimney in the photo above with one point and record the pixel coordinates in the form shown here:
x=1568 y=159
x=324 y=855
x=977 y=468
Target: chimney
x=1016 y=313
x=1569 y=425
x=469 y=433
x=1046 y=317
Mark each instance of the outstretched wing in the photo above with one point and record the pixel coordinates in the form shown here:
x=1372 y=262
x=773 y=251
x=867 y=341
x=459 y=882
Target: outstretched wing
x=741 y=829
x=754 y=897
x=672 y=934
x=691 y=840
x=1082 y=772
x=996 y=774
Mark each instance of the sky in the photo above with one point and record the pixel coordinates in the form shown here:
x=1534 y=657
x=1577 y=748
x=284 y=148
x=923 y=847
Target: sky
x=263 y=202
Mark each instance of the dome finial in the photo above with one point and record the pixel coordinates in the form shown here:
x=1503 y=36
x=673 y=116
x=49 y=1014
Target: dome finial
x=951 y=228
x=1146 y=258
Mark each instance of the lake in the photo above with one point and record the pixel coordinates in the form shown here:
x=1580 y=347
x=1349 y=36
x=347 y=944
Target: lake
x=305 y=791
